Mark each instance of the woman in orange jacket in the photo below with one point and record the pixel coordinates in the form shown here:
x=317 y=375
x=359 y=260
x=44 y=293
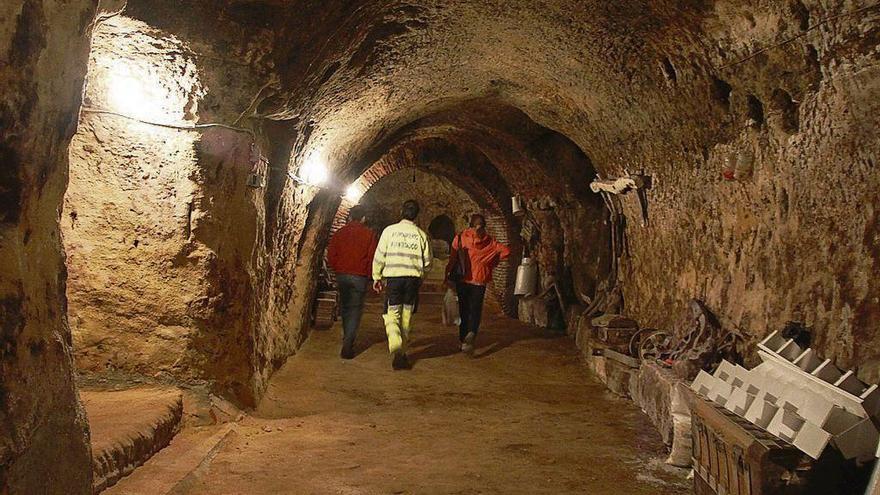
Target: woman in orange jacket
x=478 y=253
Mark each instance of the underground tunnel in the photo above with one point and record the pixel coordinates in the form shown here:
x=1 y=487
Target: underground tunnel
x=685 y=193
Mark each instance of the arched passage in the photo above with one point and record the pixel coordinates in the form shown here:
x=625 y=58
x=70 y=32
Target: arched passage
x=493 y=152
x=442 y=227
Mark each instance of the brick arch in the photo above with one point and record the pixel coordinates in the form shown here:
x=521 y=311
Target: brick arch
x=445 y=159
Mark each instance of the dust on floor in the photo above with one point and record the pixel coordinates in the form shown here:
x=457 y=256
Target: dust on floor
x=522 y=416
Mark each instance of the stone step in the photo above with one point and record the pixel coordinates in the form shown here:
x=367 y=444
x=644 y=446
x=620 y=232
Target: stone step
x=128 y=427
x=178 y=466
x=434 y=286
x=425 y=297
x=431 y=298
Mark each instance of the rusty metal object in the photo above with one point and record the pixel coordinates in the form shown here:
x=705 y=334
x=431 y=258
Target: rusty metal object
x=652 y=344
x=615 y=331
x=698 y=343
x=701 y=343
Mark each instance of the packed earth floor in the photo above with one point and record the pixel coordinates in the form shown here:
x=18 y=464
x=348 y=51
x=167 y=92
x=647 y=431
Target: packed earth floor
x=522 y=416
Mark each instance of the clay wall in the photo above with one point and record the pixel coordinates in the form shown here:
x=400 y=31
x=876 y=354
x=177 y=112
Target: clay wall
x=170 y=251
x=43 y=51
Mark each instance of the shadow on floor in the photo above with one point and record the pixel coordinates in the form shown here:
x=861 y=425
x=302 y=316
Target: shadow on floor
x=488 y=343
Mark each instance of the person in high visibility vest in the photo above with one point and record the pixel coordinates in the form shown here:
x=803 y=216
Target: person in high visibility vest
x=402 y=259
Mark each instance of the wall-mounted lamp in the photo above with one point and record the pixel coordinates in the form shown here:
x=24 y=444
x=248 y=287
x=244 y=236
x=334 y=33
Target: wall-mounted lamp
x=314 y=170
x=353 y=193
x=132 y=92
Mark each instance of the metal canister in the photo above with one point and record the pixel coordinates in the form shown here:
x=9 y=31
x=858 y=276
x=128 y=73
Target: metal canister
x=526 y=278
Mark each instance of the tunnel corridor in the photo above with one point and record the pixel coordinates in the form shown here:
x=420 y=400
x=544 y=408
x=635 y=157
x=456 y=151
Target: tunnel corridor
x=171 y=174
x=510 y=420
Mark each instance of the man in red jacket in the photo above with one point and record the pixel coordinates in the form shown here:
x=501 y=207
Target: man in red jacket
x=350 y=255
x=479 y=253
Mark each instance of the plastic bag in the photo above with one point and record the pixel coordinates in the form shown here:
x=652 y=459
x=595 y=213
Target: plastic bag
x=450 y=308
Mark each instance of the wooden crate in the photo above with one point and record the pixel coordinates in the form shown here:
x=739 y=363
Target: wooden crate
x=325 y=309
x=615 y=331
x=735 y=457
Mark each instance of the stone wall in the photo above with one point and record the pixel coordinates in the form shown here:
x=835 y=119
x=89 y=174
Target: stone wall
x=175 y=265
x=44 y=445
x=130 y=205
x=773 y=219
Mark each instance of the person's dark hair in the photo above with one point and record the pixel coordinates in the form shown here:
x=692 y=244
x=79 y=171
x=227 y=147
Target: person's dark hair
x=476 y=216
x=357 y=212
x=410 y=209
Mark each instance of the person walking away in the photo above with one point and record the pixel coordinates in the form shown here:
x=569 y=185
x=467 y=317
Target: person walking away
x=350 y=255
x=479 y=253
x=402 y=259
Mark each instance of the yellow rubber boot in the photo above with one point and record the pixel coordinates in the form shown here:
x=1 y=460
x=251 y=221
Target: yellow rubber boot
x=406 y=323
x=392 y=319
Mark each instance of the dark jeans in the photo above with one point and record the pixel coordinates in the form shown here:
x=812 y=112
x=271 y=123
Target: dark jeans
x=470 y=308
x=402 y=291
x=352 y=290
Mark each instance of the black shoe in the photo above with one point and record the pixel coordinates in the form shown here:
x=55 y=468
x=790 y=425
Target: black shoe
x=347 y=352
x=399 y=361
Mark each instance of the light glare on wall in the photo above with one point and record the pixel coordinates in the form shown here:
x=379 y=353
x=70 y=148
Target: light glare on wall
x=353 y=193
x=314 y=170
x=132 y=94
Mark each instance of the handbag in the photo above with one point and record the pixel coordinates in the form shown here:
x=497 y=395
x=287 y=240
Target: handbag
x=456 y=275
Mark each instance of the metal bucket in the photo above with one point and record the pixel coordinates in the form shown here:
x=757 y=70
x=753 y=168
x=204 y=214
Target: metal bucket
x=516 y=205
x=526 y=278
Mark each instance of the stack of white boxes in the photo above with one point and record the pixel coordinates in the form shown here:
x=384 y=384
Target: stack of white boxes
x=800 y=398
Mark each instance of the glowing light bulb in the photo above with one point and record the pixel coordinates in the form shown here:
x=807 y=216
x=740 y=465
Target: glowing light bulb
x=314 y=170
x=353 y=193
x=129 y=93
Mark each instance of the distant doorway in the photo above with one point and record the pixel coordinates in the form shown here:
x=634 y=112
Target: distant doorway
x=442 y=227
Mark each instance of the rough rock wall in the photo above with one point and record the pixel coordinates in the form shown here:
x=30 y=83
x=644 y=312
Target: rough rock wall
x=44 y=444
x=286 y=278
x=128 y=213
x=776 y=220
x=166 y=241
x=227 y=243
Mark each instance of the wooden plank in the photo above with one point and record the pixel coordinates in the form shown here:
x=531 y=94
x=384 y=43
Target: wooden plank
x=621 y=358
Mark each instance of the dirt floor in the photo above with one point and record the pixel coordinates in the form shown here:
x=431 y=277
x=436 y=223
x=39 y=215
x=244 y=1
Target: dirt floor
x=522 y=416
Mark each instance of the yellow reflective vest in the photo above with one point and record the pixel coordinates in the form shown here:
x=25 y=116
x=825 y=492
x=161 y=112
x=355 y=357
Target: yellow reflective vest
x=404 y=251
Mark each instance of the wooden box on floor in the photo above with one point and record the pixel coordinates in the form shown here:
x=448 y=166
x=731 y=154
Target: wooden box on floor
x=735 y=457
x=615 y=331
x=325 y=309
